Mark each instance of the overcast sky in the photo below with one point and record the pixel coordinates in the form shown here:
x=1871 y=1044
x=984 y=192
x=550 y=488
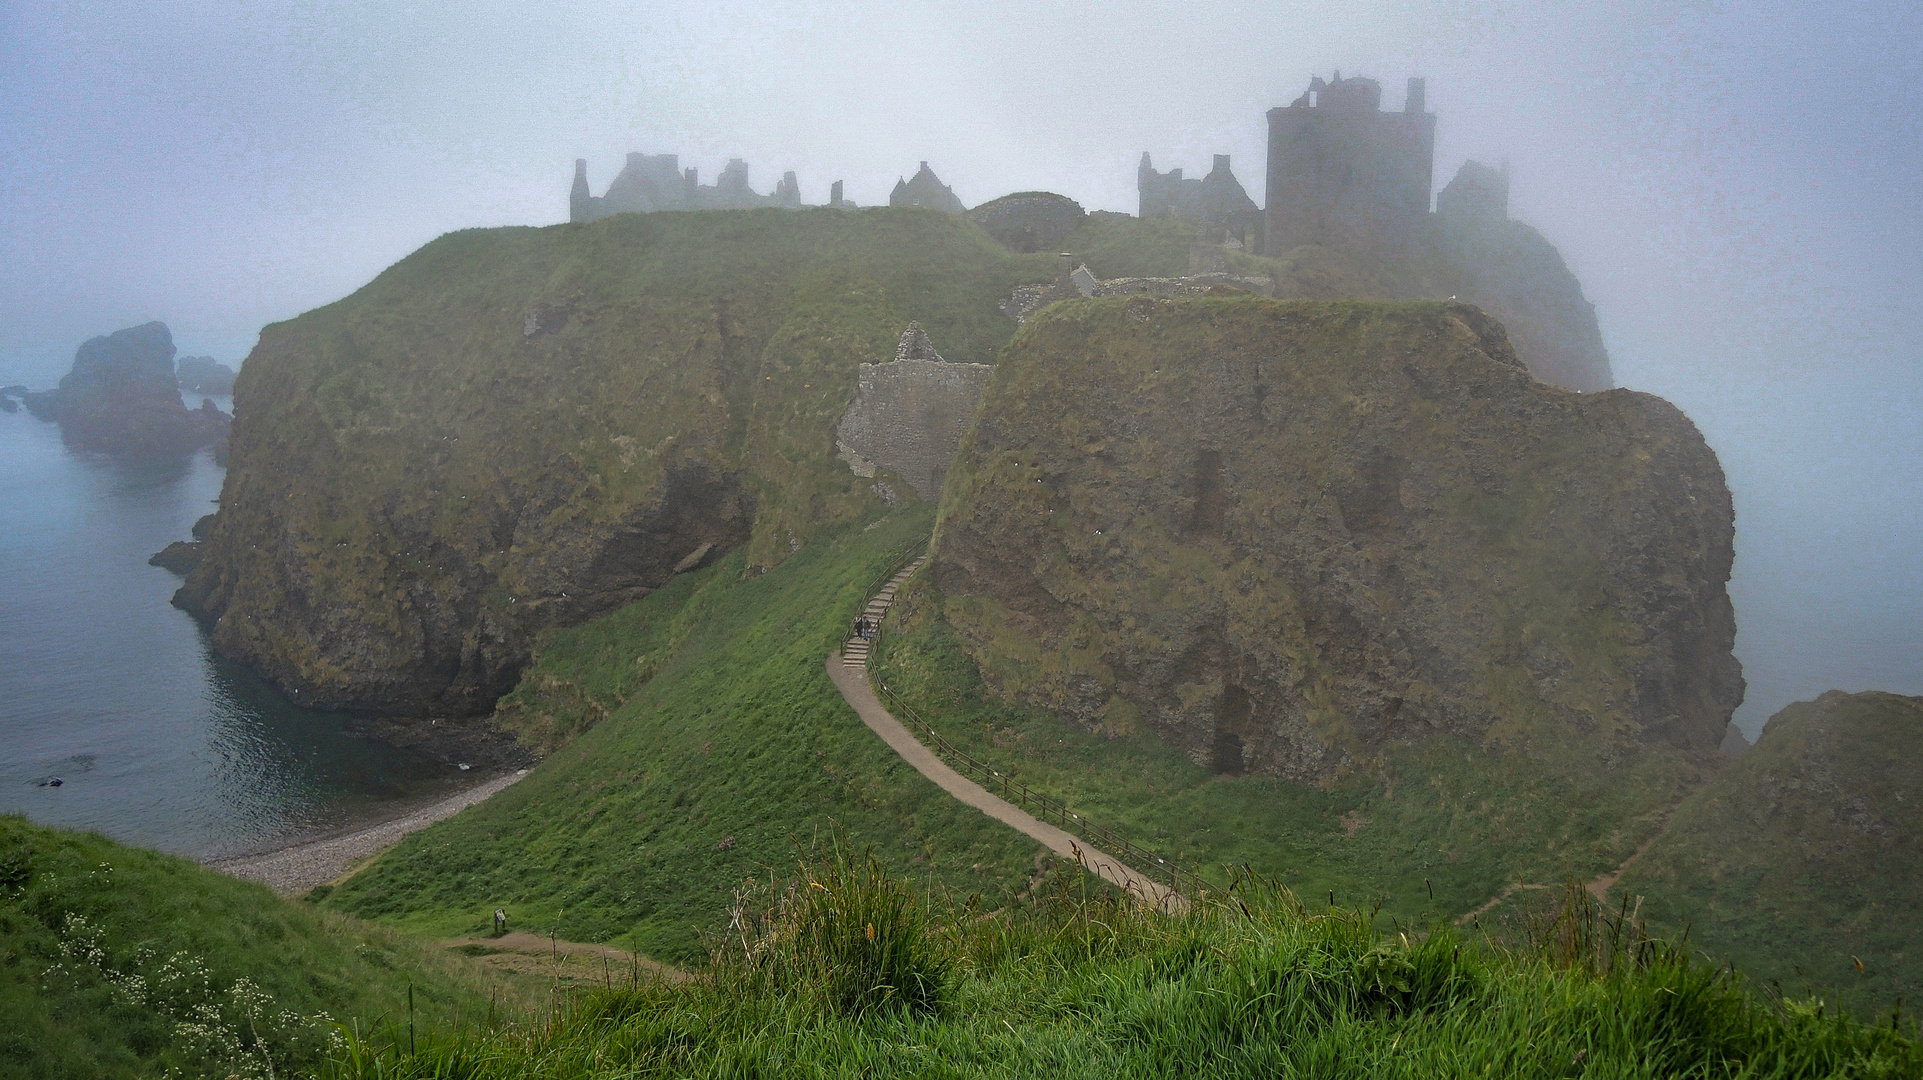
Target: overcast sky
x=1737 y=186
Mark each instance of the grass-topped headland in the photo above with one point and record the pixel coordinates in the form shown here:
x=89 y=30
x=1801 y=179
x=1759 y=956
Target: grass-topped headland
x=519 y=428
x=513 y=429
x=1291 y=538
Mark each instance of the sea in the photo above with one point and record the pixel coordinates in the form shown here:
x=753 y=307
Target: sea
x=116 y=715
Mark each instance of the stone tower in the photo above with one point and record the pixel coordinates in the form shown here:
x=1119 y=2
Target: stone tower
x=1343 y=173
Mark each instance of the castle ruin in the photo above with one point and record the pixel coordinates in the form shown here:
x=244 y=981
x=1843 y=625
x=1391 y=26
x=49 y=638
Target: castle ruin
x=925 y=189
x=650 y=182
x=910 y=413
x=1217 y=203
x=1478 y=191
x=1343 y=173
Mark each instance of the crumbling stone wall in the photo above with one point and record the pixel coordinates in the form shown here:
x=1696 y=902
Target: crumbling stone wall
x=650 y=182
x=1217 y=203
x=909 y=415
x=1080 y=282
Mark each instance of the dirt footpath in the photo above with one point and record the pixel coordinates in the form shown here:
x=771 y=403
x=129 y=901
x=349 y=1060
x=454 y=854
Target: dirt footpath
x=571 y=963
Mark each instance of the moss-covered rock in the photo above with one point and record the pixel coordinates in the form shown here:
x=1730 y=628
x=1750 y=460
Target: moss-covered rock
x=1287 y=535
x=514 y=429
x=1799 y=860
x=518 y=428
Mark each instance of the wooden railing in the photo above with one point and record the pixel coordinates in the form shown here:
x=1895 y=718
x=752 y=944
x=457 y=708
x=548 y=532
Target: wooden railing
x=895 y=563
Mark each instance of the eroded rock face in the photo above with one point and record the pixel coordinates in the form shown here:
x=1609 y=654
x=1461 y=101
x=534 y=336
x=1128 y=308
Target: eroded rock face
x=514 y=429
x=1511 y=271
x=1284 y=535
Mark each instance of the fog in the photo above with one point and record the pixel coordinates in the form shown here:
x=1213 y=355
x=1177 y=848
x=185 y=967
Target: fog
x=1736 y=186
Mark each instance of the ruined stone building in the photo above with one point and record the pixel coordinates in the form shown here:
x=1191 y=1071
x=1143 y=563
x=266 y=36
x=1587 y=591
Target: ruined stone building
x=1344 y=173
x=1216 y=203
x=651 y=182
x=925 y=189
x=910 y=413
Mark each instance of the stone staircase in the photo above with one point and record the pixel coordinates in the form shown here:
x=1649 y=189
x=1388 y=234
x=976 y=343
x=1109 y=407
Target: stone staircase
x=854 y=651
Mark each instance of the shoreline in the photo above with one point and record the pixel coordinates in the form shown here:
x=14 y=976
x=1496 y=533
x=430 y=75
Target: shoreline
x=297 y=868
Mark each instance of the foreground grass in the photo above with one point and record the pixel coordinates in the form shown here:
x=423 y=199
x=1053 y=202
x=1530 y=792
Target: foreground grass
x=119 y=962
x=842 y=971
x=723 y=743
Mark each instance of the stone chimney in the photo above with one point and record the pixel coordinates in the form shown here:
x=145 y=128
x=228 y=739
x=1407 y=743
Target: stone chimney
x=580 y=203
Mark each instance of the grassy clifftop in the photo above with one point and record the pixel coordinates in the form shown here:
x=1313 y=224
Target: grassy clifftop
x=118 y=962
x=517 y=428
x=514 y=429
x=1800 y=860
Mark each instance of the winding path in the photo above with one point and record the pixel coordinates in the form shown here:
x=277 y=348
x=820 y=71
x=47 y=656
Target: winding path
x=849 y=671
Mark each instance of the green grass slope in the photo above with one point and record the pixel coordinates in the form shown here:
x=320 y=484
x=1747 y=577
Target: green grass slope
x=852 y=974
x=723 y=744
x=119 y=962
x=1805 y=856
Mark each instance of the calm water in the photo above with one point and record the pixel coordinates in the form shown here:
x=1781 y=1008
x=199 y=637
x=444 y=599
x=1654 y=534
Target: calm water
x=105 y=685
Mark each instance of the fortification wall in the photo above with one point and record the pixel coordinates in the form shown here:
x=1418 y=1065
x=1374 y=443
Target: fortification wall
x=908 y=417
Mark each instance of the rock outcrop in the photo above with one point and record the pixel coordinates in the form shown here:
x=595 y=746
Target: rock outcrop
x=1284 y=535
x=1029 y=221
x=1511 y=271
x=1799 y=859
x=123 y=398
x=205 y=375
x=515 y=429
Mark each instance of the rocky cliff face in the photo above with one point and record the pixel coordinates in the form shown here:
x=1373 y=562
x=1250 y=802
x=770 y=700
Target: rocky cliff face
x=516 y=428
x=1511 y=271
x=1283 y=535
x=121 y=398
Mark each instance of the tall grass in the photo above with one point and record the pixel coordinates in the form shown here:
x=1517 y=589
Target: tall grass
x=1079 y=982
x=842 y=932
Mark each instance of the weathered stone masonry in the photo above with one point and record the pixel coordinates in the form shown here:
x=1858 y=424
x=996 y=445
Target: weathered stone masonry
x=909 y=415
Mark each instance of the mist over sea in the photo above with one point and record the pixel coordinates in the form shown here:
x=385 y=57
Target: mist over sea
x=105 y=685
